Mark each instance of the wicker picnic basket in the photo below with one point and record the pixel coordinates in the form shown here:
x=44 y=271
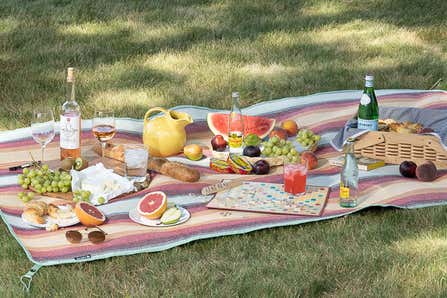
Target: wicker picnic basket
x=394 y=148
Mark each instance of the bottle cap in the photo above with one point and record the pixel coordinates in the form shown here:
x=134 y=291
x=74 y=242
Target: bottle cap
x=235 y=94
x=70 y=74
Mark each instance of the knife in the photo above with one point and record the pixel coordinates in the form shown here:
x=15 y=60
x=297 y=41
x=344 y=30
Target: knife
x=26 y=165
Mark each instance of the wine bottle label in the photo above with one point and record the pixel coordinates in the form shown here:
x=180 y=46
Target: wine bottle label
x=69 y=135
x=367 y=124
x=344 y=192
x=365 y=99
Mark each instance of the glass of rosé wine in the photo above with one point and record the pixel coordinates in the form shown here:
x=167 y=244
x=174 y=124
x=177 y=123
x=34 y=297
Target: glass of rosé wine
x=103 y=127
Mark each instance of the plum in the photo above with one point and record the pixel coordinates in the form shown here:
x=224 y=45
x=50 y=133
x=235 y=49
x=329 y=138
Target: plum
x=408 y=169
x=426 y=171
x=252 y=151
x=261 y=167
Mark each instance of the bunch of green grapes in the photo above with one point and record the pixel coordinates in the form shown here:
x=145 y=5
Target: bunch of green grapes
x=276 y=147
x=26 y=196
x=44 y=180
x=307 y=138
x=84 y=195
x=81 y=195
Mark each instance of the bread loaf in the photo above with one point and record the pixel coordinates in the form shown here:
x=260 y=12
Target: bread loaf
x=173 y=169
x=163 y=166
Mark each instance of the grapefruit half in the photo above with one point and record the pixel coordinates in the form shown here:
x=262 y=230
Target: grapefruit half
x=89 y=215
x=153 y=205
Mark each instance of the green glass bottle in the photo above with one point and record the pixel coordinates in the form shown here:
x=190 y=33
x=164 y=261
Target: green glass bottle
x=368 y=114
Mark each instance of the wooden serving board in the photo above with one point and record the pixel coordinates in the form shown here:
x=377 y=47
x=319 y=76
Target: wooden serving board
x=273 y=161
x=116 y=165
x=116 y=152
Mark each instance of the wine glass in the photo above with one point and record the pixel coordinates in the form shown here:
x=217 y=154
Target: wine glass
x=103 y=127
x=42 y=128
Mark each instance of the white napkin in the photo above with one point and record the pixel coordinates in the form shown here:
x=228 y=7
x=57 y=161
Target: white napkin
x=101 y=182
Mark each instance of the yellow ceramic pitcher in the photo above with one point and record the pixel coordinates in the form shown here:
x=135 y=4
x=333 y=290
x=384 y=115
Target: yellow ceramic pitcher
x=165 y=135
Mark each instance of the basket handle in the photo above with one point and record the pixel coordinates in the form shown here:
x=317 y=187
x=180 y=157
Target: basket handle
x=370 y=139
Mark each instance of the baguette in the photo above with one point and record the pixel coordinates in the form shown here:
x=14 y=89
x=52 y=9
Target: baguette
x=163 y=166
x=173 y=169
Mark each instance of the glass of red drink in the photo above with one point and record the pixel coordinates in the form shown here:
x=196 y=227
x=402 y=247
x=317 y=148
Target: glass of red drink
x=295 y=178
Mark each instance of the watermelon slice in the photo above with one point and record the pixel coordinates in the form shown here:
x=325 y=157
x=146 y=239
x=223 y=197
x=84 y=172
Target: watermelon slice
x=261 y=126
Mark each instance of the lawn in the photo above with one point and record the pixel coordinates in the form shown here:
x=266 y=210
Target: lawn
x=133 y=55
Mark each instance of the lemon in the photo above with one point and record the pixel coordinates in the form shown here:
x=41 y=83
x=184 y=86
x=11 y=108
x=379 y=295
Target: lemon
x=252 y=140
x=171 y=216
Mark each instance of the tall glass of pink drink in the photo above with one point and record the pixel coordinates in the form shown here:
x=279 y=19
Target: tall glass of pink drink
x=295 y=178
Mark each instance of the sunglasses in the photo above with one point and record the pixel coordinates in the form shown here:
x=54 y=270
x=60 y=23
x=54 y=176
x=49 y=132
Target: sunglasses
x=96 y=237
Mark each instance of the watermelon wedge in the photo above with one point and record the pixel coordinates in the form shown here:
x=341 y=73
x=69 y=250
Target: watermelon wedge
x=261 y=126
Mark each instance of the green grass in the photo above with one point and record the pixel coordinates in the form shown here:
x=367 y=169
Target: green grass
x=133 y=55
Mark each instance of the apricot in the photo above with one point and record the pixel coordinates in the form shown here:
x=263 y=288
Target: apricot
x=309 y=158
x=291 y=127
x=278 y=132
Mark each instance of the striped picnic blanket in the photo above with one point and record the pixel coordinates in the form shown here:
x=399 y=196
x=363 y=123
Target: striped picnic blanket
x=325 y=113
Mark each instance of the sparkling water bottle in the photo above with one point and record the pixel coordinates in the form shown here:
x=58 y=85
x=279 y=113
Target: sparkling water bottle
x=368 y=114
x=349 y=177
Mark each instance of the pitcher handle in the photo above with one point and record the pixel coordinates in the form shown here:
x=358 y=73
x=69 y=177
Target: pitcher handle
x=153 y=110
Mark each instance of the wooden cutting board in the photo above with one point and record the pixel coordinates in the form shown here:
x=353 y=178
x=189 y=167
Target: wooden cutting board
x=116 y=152
x=109 y=163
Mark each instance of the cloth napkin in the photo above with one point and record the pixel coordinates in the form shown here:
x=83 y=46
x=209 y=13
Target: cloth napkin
x=434 y=119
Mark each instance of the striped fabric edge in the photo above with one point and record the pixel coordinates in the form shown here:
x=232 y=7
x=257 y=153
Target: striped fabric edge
x=257 y=109
x=128 y=252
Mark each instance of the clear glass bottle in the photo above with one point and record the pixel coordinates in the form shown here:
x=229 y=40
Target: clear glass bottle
x=368 y=113
x=349 y=177
x=70 y=121
x=235 y=125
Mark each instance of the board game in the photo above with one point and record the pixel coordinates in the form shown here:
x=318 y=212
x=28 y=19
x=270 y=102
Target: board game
x=271 y=198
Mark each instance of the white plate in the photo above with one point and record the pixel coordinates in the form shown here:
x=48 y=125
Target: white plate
x=62 y=223
x=136 y=217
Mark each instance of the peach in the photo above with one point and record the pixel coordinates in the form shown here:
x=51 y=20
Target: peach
x=426 y=171
x=291 y=127
x=279 y=132
x=309 y=158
